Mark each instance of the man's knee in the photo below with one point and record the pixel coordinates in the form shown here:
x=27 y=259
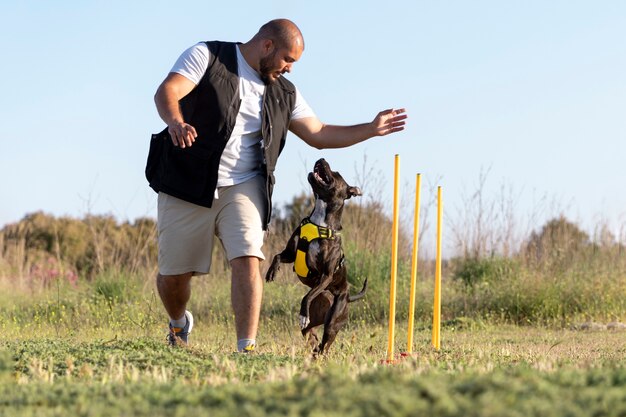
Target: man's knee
x=245 y=262
x=173 y=280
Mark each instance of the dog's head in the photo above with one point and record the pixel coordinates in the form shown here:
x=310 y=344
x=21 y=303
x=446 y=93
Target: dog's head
x=329 y=185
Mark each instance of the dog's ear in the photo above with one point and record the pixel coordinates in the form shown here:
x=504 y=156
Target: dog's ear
x=354 y=191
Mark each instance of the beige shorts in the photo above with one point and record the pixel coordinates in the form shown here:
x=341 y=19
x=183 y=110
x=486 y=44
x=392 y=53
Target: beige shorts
x=186 y=230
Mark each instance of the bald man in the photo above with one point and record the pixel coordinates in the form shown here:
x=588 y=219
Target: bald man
x=228 y=109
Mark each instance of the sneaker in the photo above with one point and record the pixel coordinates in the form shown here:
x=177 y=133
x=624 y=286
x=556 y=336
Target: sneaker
x=248 y=349
x=180 y=333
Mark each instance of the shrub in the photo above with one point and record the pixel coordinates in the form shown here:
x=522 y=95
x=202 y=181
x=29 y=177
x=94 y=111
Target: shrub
x=87 y=247
x=475 y=271
x=558 y=242
x=116 y=287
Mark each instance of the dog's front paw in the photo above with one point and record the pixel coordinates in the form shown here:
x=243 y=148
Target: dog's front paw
x=269 y=276
x=304 y=321
x=273 y=269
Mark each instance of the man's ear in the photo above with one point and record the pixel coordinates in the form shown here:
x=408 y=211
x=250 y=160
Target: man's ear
x=268 y=46
x=354 y=191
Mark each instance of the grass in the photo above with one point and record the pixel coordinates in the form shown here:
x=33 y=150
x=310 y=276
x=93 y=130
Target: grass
x=84 y=332
x=99 y=349
x=492 y=370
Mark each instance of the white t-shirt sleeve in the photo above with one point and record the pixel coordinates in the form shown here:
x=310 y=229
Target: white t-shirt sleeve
x=193 y=63
x=301 y=108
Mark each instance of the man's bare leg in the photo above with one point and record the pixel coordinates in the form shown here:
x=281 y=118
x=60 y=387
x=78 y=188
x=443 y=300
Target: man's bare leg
x=246 y=295
x=175 y=291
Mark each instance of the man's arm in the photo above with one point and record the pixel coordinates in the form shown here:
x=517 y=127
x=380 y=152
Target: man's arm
x=322 y=136
x=171 y=90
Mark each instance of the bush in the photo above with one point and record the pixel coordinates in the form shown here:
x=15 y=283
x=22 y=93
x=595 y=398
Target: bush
x=557 y=278
x=86 y=247
x=116 y=287
x=556 y=245
x=485 y=270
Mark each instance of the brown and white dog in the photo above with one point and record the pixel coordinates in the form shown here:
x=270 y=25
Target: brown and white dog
x=316 y=251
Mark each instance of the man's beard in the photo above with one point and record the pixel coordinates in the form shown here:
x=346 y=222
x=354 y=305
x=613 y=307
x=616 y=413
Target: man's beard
x=266 y=68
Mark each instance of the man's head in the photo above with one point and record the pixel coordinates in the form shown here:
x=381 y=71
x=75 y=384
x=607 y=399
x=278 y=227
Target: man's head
x=280 y=44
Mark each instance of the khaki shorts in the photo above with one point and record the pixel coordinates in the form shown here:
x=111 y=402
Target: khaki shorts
x=186 y=230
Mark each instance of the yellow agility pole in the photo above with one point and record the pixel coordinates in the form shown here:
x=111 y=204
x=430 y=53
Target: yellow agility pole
x=416 y=227
x=394 y=260
x=437 y=302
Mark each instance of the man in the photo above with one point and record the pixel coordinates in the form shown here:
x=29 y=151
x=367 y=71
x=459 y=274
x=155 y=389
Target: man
x=228 y=109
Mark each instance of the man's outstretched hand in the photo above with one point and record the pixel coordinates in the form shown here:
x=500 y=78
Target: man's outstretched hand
x=389 y=121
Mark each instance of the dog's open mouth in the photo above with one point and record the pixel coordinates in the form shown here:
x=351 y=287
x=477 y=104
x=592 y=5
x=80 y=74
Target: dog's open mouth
x=321 y=175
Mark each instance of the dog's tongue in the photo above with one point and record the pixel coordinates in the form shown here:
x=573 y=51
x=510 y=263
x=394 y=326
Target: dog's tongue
x=320 y=174
x=319 y=178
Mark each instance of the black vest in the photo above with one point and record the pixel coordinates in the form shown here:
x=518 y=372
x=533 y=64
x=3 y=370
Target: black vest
x=211 y=108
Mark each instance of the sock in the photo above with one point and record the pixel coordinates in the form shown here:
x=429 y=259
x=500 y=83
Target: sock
x=180 y=323
x=243 y=343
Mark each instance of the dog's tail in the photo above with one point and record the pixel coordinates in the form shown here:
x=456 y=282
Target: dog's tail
x=360 y=294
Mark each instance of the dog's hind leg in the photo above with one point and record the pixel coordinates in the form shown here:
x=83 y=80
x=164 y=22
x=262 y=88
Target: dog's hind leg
x=310 y=336
x=319 y=309
x=337 y=317
x=307 y=300
x=318 y=313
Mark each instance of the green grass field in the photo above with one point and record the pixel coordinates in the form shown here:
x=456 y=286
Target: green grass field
x=539 y=332
x=63 y=357
x=488 y=372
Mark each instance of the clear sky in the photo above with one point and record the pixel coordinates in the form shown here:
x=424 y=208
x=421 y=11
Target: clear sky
x=532 y=92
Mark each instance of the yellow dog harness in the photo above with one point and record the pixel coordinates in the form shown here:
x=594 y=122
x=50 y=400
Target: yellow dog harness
x=308 y=233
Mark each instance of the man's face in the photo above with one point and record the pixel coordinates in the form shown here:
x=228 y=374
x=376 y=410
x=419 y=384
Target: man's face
x=278 y=61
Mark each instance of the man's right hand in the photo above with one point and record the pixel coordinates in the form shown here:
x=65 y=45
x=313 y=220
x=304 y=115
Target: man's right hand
x=182 y=134
x=167 y=97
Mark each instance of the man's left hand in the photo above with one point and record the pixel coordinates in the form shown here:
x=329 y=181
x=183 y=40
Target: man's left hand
x=389 y=121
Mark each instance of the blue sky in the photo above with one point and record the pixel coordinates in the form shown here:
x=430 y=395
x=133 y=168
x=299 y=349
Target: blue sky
x=533 y=93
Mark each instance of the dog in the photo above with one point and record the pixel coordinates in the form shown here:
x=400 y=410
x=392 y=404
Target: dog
x=316 y=251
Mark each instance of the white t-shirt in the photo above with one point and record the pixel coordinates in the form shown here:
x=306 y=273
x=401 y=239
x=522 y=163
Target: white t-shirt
x=243 y=156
